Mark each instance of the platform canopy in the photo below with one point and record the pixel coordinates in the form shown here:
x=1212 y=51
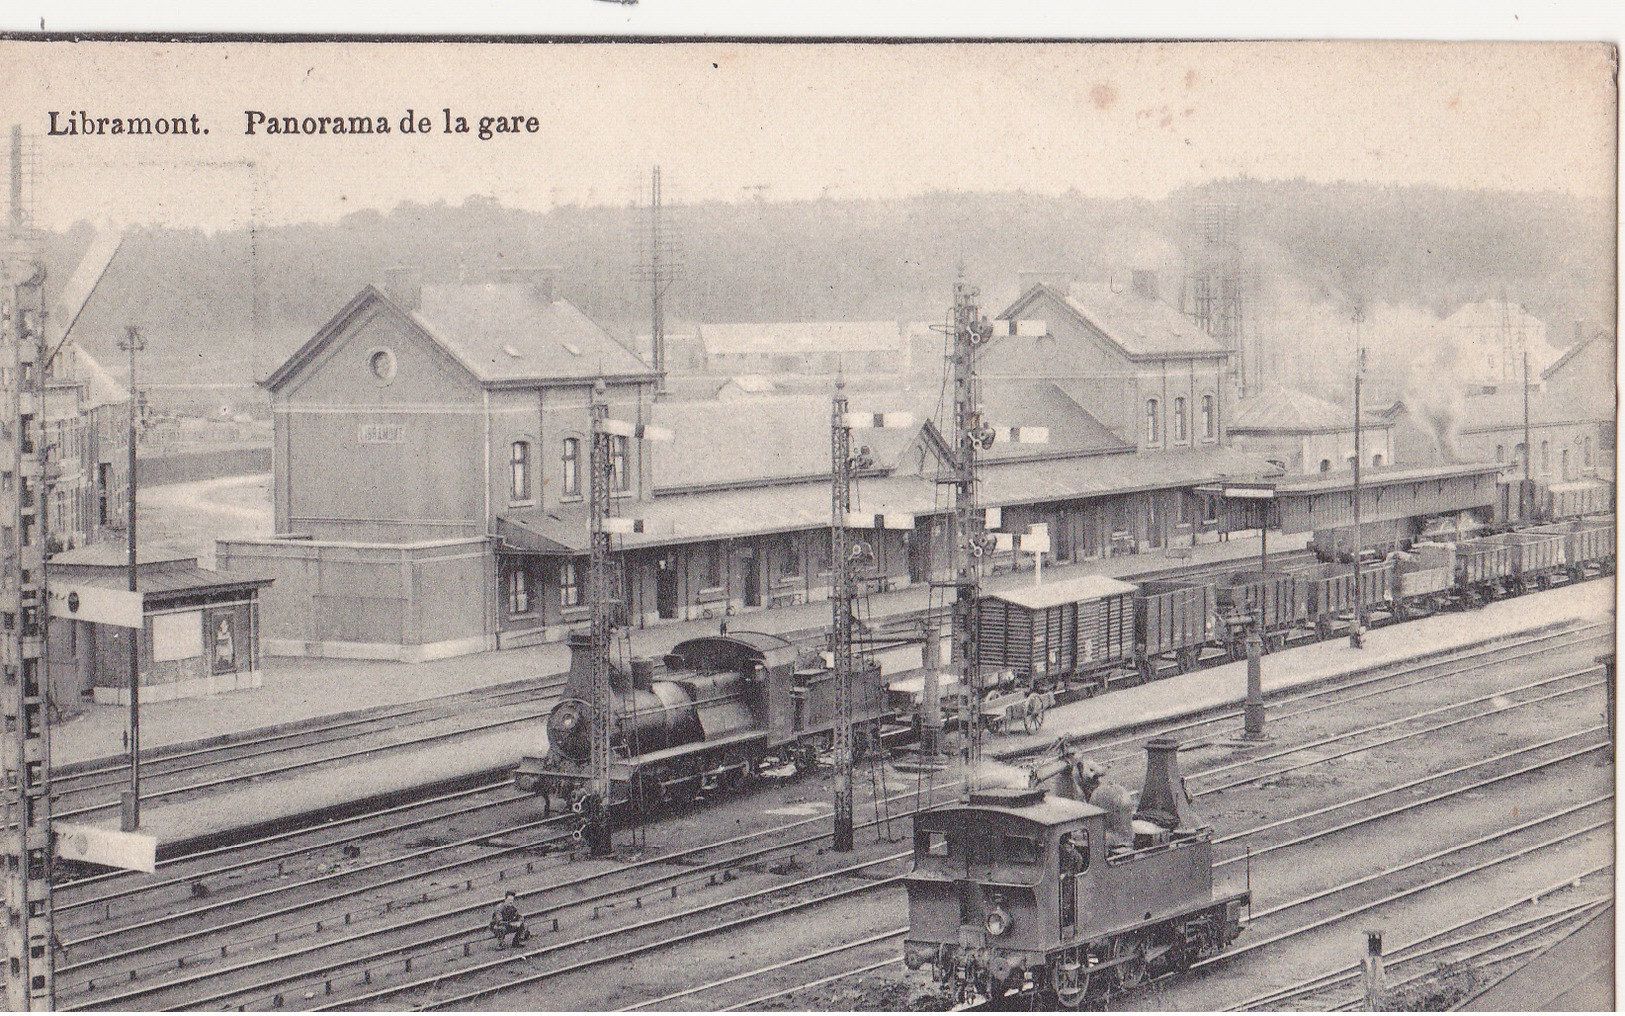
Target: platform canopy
x=1326 y=501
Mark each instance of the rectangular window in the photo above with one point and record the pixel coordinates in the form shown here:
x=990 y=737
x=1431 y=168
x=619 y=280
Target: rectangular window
x=1153 y=422
x=572 y=467
x=1181 y=422
x=1209 y=425
x=713 y=565
x=930 y=843
x=569 y=586
x=519 y=591
x=790 y=555
x=617 y=462
x=519 y=471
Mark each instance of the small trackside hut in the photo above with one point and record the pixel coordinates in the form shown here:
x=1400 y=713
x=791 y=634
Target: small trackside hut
x=1025 y=890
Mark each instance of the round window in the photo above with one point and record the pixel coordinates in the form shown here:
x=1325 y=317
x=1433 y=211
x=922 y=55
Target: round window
x=382 y=364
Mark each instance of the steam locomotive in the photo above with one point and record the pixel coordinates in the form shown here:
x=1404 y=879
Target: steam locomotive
x=713 y=713
x=1045 y=892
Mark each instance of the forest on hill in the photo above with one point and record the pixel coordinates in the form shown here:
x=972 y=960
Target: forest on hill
x=228 y=307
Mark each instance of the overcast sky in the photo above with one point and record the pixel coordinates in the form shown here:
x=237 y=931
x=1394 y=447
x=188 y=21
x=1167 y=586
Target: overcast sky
x=1115 y=120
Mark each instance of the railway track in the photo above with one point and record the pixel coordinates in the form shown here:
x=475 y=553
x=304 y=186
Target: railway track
x=869 y=953
x=459 y=940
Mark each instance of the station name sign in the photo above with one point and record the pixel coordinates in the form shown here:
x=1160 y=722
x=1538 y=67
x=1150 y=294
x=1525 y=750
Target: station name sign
x=96 y=604
x=110 y=847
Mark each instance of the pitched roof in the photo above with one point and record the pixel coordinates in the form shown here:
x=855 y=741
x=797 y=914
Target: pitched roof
x=1141 y=326
x=767 y=438
x=1285 y=410
x=501 y=333
x=104 y=391
x=505 y=332
x=1052 y=594
x=801 y=337
x=1073 y=430
x=1574 y=350
x=1030 y=482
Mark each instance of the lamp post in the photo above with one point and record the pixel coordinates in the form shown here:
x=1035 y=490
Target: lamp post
x=130 y=817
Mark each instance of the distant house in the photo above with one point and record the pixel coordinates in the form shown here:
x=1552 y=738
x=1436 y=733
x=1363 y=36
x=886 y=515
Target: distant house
x=745 y=386
x=1306 y=434
x=86 y=426
x=804 y=347
x=1571 y=414
x=1491 y=337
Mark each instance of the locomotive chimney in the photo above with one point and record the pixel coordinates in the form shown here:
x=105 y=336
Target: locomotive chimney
x=579 y=683
x=1163 y=800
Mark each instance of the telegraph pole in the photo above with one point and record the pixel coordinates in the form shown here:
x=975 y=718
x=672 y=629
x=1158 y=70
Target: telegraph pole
x=1526 y=489
x=845 y=602
x=25 y=748
x=602 y=464
x=970 y=536
x=1357 y=626
x=130 y=814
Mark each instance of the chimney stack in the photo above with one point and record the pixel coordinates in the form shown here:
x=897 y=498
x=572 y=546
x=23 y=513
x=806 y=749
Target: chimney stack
x=1163 y=799
x=1145 y=283
x=538 y=277
x=404 y=285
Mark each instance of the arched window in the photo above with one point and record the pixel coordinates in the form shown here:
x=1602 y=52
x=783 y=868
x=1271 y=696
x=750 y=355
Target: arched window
x=1500 y=453
x=569 y=588
x=1376 y=460
x=1586 y=454
x=1182 y=432
x=572 y=467
x=519 y=591
x=1564 y=463
x=519 y=471
x=1209 y=423
x=1325 y=465
x=1518 y=453
x=1153 y=423
x=1545 y=456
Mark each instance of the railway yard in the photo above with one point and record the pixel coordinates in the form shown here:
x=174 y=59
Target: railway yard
x=1451 y=783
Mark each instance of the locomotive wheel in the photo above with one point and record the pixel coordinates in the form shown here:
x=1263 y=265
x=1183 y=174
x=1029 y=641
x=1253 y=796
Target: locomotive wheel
x=1131 y=950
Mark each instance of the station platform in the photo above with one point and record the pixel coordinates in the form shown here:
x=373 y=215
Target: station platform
x=267 y=800
x=302 y=688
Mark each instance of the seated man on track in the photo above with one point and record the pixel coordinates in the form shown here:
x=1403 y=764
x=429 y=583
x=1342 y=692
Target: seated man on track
x=507 y=920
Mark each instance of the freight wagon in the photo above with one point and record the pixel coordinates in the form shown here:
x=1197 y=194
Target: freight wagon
x=1271 y=601
x=1424 y=580
x=1588 y=544
x=1172 y=621
x=1332 y=594
x=1050 y=636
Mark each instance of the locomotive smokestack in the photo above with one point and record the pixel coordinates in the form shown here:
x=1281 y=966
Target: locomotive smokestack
x=1163 y=800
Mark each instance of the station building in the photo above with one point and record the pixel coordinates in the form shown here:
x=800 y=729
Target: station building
x=431 y=454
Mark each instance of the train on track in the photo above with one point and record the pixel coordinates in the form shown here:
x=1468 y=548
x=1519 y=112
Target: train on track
x=1063 y=640
x=716 y=711
x=1064 y=893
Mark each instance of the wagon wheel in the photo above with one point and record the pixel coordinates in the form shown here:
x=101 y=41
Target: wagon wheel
x=1323 y=628
x=1130 y=949
x=1032 y=720
x=1189 y=658
x=1071 y=983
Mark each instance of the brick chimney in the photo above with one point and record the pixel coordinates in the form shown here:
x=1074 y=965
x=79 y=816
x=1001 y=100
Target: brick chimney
x=1145 y=284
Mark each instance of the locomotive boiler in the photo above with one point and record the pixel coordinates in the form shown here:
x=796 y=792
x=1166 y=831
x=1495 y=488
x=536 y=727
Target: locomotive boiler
x=712 y=713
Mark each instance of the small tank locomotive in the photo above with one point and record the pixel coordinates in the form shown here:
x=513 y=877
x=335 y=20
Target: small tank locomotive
x=1032 y=890
x=712 y=713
